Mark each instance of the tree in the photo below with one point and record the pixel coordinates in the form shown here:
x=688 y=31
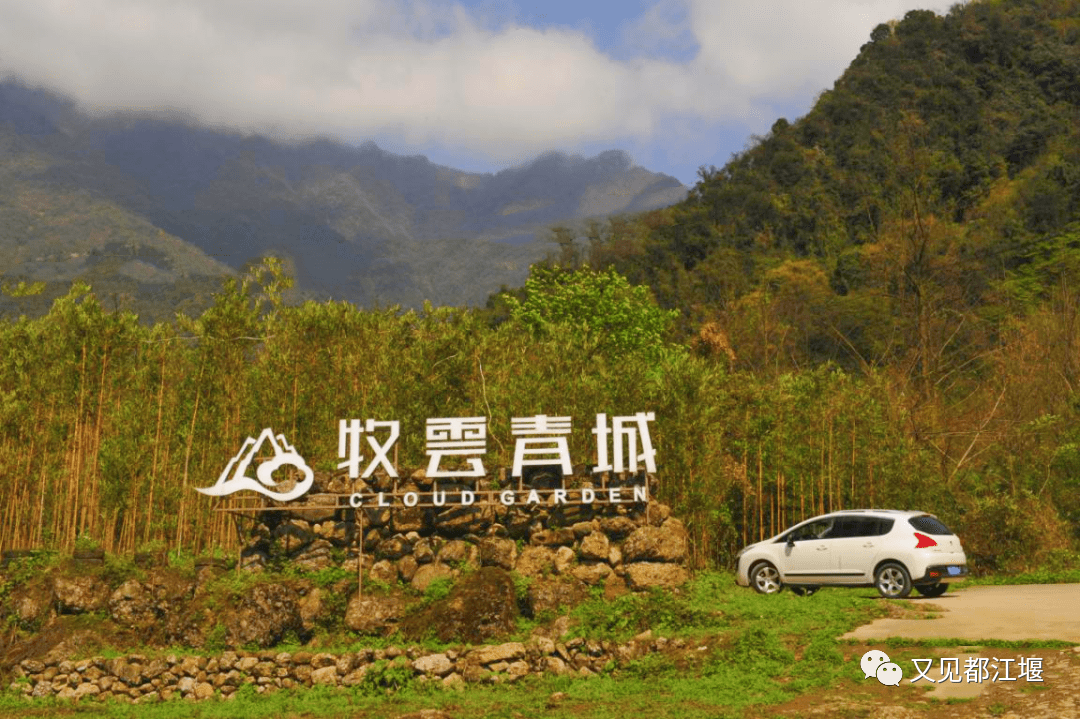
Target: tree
x=601 y=309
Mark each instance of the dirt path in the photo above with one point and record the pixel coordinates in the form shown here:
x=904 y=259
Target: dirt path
x=1016 y=612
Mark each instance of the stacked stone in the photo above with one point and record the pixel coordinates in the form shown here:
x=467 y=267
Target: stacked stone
x=624 y=545
x=136 y=678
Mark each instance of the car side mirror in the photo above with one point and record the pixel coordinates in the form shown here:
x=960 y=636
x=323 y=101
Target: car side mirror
x=791 y=541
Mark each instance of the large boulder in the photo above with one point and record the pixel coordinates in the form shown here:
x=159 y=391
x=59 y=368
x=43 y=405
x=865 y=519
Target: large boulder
x=482 y=606
x=374 y=614
x=428 y=573
x=645 y=575
x=667 y=543
x=395 y=547
x=498 y=552
x=617 y=527
x=264 y=615
x=292 y=536
x=80 y=594
x=409 y=519
x=595 y=547
x=30 y=604
x=133 y=604
x=316 y=508
x=550 y=595
x=315 y=557
x=595 y=573
x=535 y=561
x=455 y=552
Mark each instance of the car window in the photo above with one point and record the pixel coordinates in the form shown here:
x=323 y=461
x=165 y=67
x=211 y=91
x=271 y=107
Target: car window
x=854 y=527
x=813 y=530
x=883 y=527
x=929 y=525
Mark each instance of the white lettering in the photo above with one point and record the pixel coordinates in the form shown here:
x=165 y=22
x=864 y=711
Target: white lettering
x=467 y=498
x=534 y=497
x=382 y=500
x=439 y=498
x=588 y=496
x=410 y=499
x=507 y=497
x=560 y=496
x=356 y=500
x=641 y=493
x=613 y=495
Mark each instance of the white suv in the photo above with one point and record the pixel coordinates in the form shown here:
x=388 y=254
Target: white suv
x=892 y=550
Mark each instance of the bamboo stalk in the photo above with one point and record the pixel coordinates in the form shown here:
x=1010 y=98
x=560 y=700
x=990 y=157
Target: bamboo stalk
x=760 y=516
x=92 y=510
x=832 y=497
x=157 y=450
x=184 y=479
x=75 y=479
x=852 y=495
x=39 y=525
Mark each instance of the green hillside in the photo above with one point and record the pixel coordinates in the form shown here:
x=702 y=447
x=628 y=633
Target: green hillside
x=930 y=191
x=919 y=227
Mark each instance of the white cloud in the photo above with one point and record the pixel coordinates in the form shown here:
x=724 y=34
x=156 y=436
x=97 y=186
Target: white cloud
x=431 y=72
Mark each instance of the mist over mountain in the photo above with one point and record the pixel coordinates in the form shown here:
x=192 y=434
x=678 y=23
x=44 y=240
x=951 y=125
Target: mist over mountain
x=156 y=209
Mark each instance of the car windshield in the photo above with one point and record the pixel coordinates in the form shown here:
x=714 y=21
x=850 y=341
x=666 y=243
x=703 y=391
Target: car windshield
x=929 y=525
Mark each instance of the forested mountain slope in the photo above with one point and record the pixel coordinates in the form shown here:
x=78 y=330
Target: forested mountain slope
x=930 y=194
x=157 y=210
x=920 y=229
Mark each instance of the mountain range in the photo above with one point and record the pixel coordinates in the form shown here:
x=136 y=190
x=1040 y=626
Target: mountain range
x=154 y=210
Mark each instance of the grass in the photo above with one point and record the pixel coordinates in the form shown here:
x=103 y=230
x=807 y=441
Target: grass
x=731 y=653
x=730 y=649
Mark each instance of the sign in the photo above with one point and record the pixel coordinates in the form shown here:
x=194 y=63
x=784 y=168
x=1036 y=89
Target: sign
x=284 y=454
x=622 y=444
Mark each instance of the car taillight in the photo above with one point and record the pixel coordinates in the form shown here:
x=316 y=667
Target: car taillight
x=924 y=541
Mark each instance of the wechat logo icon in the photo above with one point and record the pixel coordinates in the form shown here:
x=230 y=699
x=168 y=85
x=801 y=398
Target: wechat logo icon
x=875 y=663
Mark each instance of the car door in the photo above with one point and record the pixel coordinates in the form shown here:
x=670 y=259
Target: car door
x=856 y=545
x=806 y=557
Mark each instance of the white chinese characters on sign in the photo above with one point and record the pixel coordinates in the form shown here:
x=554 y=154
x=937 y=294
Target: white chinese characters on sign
x=456 y=436
x=541 y=438
x=626 y=433
x=349 y=432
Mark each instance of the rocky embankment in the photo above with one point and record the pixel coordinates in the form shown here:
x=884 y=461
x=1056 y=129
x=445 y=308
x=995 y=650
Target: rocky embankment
x=459 y=575
x=138 y=678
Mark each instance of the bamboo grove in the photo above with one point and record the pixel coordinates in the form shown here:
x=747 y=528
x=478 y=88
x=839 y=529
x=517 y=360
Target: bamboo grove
x=107 y=425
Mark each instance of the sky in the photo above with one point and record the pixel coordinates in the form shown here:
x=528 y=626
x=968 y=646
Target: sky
x=479 y=85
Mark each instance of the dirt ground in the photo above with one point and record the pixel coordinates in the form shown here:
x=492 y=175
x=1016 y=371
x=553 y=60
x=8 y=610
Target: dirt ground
x=1011 y=613
x=1014 y=613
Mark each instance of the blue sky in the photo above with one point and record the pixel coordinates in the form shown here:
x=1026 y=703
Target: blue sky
x=475 y=84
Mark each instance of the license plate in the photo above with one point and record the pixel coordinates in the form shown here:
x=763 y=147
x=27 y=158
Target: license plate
x=954 y=570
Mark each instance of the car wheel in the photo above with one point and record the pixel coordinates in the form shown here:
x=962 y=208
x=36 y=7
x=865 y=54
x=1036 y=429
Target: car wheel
x=805 y=591
x=892 y=581
x=765 y=579
x=932 y=590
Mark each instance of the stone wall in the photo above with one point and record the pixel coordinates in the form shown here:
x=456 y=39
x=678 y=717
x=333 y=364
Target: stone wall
x=619 y=544
x=141 y=679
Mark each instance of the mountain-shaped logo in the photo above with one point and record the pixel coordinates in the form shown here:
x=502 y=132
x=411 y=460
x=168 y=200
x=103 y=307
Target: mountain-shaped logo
x=235 y=479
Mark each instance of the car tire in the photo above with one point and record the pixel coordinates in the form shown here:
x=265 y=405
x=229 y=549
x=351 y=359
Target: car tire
x=765 y=579
x=892 y=581
x=932 y=590
x=805 y=591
